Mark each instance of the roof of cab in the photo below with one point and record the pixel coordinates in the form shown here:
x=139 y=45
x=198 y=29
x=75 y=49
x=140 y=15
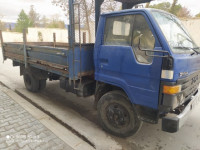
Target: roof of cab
x=134 y=10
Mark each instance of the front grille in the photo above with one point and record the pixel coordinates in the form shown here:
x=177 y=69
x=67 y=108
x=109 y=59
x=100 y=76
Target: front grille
x=189 y=85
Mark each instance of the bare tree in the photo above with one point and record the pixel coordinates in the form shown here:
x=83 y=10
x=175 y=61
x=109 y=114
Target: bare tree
x=173 y=6
x=2 y=24
x=197 y=15
x=86 y=12
x=44 y=21
x=184 y=13
x=147 y=5
x=33 y=16
x=87 y=9
x=110 y=5
x=1 y=17
x=55 y=22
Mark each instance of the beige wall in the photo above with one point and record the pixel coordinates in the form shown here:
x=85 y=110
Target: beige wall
x=12 y=37
x=47 y=35
x=193 y=27
x=61 y=35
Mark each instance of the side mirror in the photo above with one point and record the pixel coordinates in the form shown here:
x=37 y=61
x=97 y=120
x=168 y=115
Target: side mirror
x=151 y=50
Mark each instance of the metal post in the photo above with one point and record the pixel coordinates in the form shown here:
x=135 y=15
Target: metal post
x=25 y=51
x=98 y=4
x=72 y=34
x=79 y=21
x=71 y=22
x=54 y=39
x=69 y=35
x=1 y=38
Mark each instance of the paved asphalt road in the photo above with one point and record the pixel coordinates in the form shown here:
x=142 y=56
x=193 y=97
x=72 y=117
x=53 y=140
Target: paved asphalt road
x=150 y=136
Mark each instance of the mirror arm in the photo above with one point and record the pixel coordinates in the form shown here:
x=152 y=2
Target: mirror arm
x=159 y=51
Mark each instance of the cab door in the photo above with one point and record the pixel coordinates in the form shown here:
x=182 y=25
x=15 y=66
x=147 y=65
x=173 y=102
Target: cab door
x=122 y=64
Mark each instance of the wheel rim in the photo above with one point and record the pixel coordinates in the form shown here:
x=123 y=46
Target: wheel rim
x=27 y=80
x=117 y=115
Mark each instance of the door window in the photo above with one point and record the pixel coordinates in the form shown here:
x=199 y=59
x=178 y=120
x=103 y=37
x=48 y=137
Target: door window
x=142 y=31
x=118 y=30
x=126 y=31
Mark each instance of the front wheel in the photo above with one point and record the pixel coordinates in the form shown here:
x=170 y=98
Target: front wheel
x=116 y=115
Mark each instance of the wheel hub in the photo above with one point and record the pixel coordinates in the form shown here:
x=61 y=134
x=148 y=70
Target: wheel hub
x=117 y=115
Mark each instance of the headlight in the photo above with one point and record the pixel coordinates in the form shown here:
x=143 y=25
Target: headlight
x=167 y=74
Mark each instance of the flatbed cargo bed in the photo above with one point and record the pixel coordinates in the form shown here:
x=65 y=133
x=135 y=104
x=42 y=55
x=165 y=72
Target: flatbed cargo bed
x=60 y=60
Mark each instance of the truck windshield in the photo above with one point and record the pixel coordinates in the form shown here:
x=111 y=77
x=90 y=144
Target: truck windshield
x=177 y=37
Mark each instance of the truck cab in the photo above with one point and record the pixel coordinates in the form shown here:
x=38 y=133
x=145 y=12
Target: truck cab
x=150 y=59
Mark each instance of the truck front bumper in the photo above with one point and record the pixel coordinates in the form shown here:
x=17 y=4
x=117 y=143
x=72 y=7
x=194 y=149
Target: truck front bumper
x=172 y=123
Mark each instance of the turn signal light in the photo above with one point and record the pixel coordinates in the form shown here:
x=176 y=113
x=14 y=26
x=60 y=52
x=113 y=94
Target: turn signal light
x=171 y=89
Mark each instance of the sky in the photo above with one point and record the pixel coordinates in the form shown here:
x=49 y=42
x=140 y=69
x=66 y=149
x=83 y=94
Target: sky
x=11 y=8
x=192 y=5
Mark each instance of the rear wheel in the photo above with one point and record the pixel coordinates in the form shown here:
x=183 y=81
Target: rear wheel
x=116 y=114
x=42 y=84
x=31 y=83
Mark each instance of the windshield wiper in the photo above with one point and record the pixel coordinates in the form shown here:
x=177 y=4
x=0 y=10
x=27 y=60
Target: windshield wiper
x=196 y=48
x=188 y=48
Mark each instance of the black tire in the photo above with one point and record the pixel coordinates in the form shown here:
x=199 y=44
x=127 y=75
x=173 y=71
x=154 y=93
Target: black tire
x=42 y=85
x=116 y=114
x=31 y=83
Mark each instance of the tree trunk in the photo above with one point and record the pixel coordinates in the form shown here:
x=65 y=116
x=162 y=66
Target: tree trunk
x=173 y=6
x=147 y=5
x=87 y=20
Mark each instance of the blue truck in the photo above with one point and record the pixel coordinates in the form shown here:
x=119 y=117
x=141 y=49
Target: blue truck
x=144 y=66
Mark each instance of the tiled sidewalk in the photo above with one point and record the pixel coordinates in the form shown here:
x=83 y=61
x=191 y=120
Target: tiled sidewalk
x=20 y=130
